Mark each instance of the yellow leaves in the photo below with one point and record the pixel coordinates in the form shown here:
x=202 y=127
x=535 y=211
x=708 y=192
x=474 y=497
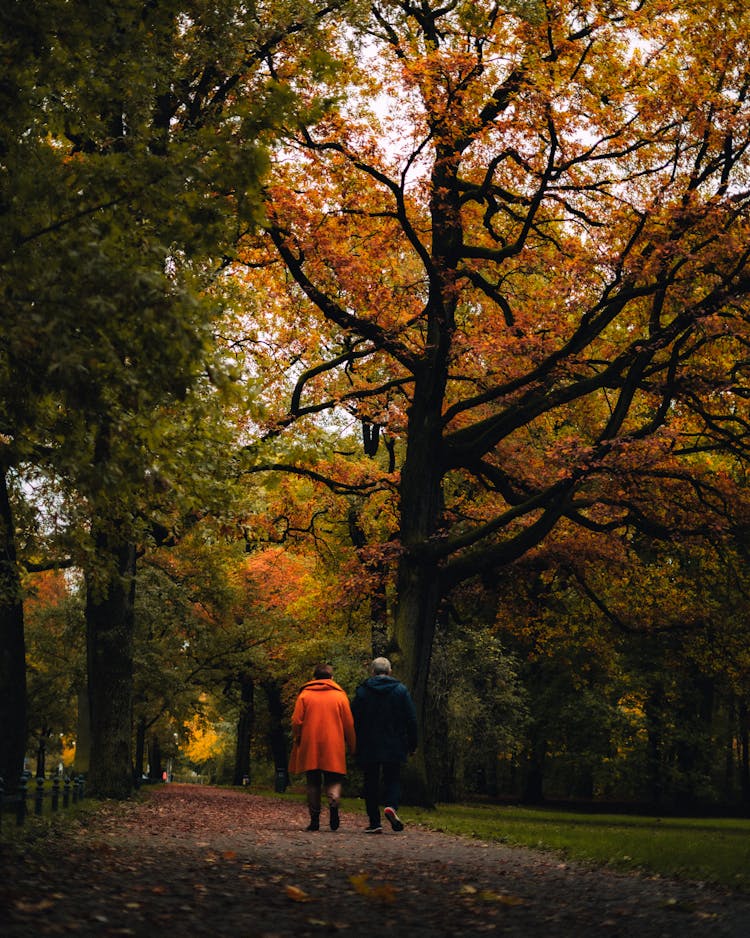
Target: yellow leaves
x=203 y=742
x=32 y=907
x=68 y=751
x=489 y=895
x=298 y=895
x=382 y=892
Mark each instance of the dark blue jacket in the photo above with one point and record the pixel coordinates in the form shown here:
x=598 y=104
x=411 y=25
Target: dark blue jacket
x=385 y=720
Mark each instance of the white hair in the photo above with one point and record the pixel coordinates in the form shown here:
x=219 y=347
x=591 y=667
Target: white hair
x=380 y=666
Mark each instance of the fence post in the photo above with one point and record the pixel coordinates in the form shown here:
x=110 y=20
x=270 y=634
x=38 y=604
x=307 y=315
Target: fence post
x=21 y=810
x=39 y=797
x=55 y=792
x=66 y=791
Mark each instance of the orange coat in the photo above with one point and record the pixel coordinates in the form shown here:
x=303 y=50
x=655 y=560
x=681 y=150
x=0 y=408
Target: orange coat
x=322 y=729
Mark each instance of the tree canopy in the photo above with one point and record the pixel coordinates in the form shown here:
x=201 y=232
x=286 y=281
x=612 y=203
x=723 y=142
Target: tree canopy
x=519 y=245
x=475 y=273
x=130 y=163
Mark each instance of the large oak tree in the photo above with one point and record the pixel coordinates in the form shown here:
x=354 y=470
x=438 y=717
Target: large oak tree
x=519 y=245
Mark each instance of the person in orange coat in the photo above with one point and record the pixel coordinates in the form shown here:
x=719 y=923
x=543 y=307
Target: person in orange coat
x=322 y=731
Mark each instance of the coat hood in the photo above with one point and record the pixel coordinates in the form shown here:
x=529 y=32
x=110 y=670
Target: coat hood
x=382 y=684
x=320 y=684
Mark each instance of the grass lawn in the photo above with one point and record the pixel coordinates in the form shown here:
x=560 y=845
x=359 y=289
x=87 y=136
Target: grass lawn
x=713 y=850
x=708 y=849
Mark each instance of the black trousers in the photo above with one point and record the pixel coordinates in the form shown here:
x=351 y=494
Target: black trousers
x=391 y=774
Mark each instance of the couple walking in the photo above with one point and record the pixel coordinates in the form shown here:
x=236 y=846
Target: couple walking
x=380 y=726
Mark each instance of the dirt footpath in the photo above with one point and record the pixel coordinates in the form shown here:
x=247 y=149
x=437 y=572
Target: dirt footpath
x=198 y=861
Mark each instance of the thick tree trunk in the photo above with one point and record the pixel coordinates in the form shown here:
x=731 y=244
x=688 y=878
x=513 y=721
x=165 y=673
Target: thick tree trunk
x=140 y=751
x=418 y=586
x=654 y=711
x=693 y=750
x=82 y=761
x=245 y=724
x=155 y=770
x=414 y=632
x=277 y=737
x=12 y=651
x=421 y=489
x=744 y=720
x=109 y=635
x=536 y=757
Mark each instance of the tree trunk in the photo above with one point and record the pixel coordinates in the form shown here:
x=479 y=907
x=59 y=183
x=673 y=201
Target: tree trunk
x=744 y=755
x=109 y=637
x=418 y=587
x=277 y=738
x=245 y=723
x=12 y=651
x=140 y=751
x=155 y=770
x=41 y=752
x=416 y=611
x=533 y=786
x=654 y=711
x=421 y=488
x=82 y=760
x=693 y=750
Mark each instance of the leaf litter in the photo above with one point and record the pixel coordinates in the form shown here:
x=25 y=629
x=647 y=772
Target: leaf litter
x=252 y=870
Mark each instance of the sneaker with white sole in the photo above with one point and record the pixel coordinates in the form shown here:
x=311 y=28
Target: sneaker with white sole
x=374 y=829
x=393 y=819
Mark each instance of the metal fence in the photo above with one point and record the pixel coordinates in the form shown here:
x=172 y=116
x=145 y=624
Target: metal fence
x=31 y=793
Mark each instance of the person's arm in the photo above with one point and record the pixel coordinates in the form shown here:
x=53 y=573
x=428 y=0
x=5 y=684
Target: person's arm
x=298 y=719
x=347 y=719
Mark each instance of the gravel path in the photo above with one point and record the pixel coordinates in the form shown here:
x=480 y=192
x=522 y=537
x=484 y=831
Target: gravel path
x=197 y=861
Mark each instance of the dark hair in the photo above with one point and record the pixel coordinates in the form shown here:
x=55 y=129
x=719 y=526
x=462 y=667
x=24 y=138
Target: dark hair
x=323 y=672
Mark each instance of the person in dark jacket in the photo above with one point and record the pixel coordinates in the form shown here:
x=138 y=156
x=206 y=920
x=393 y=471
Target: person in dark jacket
x=385 y=724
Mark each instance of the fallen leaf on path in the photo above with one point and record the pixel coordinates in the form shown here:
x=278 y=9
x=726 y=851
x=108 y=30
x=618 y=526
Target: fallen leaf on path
x=384 y=892
x=42 y=905
x=297 y=894
x=503 y=898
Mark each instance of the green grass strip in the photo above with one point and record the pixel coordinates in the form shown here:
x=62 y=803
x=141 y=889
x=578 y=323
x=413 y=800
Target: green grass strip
x=705 y=849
